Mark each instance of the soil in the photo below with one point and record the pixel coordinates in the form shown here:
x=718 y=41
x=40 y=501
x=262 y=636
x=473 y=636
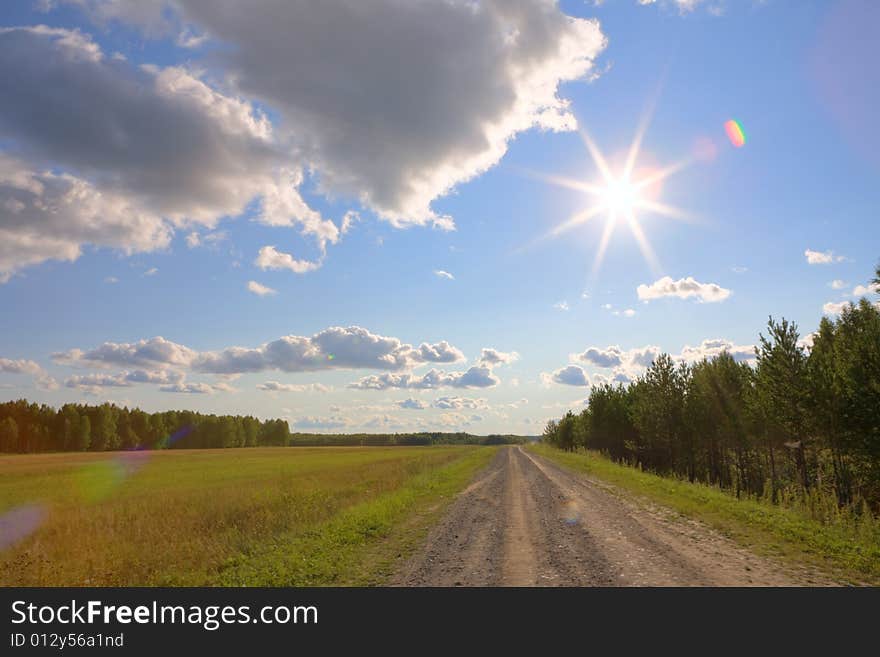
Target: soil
x=526 y=521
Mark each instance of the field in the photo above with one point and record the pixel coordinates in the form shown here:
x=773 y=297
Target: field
x=846 y=547
x=256 y=516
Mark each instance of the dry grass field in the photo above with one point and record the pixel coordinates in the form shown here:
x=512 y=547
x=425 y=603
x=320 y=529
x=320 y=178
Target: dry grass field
x=274 y=516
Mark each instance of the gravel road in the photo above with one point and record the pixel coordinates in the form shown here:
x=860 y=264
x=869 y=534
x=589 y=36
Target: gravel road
x=526 y=521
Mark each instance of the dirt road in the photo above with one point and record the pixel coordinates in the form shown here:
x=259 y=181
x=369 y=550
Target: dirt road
x=525 y=521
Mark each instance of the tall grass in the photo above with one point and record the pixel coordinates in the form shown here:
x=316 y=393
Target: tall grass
x=181 y=517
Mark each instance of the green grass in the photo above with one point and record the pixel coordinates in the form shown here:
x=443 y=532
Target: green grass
x=201 y=517
x=361 y=545
x=849 y=551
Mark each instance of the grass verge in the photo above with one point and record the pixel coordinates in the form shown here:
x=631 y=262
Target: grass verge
x=361 y=545
x=850 y=553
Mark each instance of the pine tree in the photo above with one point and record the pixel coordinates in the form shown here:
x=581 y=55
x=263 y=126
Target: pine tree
x=781 y=390
x=8 y=435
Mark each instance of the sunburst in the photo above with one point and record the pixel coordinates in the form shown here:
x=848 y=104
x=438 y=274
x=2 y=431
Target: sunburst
x=620 y=196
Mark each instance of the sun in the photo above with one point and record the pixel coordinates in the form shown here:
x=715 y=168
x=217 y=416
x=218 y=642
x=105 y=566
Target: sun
x=620 y=196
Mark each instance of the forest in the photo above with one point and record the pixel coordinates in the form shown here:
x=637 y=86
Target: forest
x=803 y=421
x=29 y=427
x=421 y=438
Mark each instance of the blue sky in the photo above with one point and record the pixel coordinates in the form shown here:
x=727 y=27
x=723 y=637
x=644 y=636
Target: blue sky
x=408 y=119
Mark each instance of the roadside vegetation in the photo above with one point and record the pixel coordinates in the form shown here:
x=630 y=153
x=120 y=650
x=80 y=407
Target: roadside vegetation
x=263 y=516
x=847 y=546
x=799 y=430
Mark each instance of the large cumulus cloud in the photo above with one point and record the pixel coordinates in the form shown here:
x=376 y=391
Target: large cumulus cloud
x=336 y=347
x=95 y=150
x=392 y=102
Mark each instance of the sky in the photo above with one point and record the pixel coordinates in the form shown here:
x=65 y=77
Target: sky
x=404 y=216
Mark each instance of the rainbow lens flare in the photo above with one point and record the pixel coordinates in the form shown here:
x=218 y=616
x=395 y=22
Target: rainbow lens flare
x=97 y=481
x=570 y=512
x=19 y=523
x=735 y=133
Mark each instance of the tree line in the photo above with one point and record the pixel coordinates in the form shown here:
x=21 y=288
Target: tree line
x=29 y=427
x=402 y=439
x=801 y=421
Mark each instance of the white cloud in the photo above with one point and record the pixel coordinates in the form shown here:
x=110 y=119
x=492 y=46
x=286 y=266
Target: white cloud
x=260 y=290
x=806 y=342
x=492 y=357
x=150 y=354
x=441 y=105
x=94 y=382
x=642 y=356
x=570 y=375
x=212 y=238
x=615 y=357
x=609 y=357
x=275 y=386
x=61 y=212
x=444 y=274
x=333 y=348
x=474 y=377
x=152 y=271
x=153 y=376
x=413 y=404
x=714 y=347
x=308 y=423
x=686 y=6
x=41 y=378
x=197 y=388
x=460 y=403
x=162 y=148
x=270 y=258
x=683 y=288
x=629 y=312
x=627 y=365
x=562 y=305
x=349 y=219
x=20 y=366
x=439 y=352
x=152 y=149
x=837 y=284
x=865 y=290
x=822 y=257
x=467 y=78
x=834 y=307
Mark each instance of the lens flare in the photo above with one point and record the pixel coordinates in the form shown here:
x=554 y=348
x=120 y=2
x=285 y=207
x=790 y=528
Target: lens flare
x=178 y=435
x=97 y=481
x=19 y=523
x=735 y=133
x=570 y=512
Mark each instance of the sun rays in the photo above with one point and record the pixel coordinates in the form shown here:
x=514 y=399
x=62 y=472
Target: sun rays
x=621 y=195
